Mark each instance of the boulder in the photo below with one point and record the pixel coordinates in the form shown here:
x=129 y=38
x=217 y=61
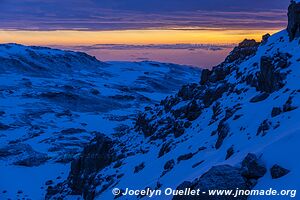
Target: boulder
x=276 y=111
x=139 y=167
x=252 y=167
x=229 y=153
x=220 y=177
x=278 y=171
x=165 y=148
x=169 y=165
x=259 y=97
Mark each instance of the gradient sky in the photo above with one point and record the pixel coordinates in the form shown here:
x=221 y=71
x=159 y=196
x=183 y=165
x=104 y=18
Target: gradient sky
x=134 y=21
x=89 y=22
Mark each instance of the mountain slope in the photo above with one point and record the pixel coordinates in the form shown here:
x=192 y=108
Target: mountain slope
x=54 y=102
x=237 y=128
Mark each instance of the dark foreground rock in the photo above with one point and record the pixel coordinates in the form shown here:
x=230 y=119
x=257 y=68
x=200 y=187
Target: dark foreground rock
x=226 y=177
x=97 y=155
x=218 y=177
x=278 y=172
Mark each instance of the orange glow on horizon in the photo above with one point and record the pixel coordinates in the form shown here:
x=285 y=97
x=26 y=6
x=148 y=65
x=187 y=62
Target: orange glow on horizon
x=70 y=37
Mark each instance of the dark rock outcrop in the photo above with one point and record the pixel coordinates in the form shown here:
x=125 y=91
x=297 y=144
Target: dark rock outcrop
x=165 y=148
x=222 y=177
x=229 y=153
x=276 y=111
x=252 y=167
x=259 y=97
x=139 y=167
x=143 y=125
x=269 y=80
x=95 y=156
x=265 y=38
x=264 y=127
x=293 y=27
x=185 y=157
x=278 y=171
x=205 y=76
x=226 y=177
x=245 y=49
x=288 y=105
x=223 y=131
x=168 y=166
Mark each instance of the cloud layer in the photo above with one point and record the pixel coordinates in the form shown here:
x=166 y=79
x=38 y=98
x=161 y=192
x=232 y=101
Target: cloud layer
x=136 y=14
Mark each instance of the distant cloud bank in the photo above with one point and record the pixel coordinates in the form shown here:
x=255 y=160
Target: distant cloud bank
x=136 y=14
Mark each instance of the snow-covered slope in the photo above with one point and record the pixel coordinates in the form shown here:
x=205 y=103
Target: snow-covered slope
x=237 y=128
x=54 y=102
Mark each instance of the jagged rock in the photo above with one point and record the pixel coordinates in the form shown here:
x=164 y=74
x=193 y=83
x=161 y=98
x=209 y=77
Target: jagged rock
x=259 y=97
x=264 y=127
x=278 y=171
x=205 y=76
x=95 y=156
x=252 y=167
x=217 y=110
x=229 y=153
x=276 y=111
x=288 y=105
x=218 y=73
x=269 y=80
x=245 y=49
x=223 y=131
x=213 y=94
x=193 y=111
x=265 y=38
x=187 y=92
x=282 y=60
x=139 y=168
x=222 y=177
x=168 y=166
x=165 y=148
x=185 y=157
x=293 y=27
x=178 y=129
x=143 y=124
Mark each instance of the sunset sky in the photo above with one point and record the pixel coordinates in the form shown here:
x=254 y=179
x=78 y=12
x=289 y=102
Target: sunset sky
x=89 y=22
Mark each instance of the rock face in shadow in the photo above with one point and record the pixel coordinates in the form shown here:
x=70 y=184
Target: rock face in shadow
x=294 y=20
x=269 y=80
x=243 y=50
x=278 y=171
x=226 y=177
x=221 y=177
x=95 y=156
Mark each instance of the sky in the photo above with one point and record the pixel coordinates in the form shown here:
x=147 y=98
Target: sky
x=77 y=23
